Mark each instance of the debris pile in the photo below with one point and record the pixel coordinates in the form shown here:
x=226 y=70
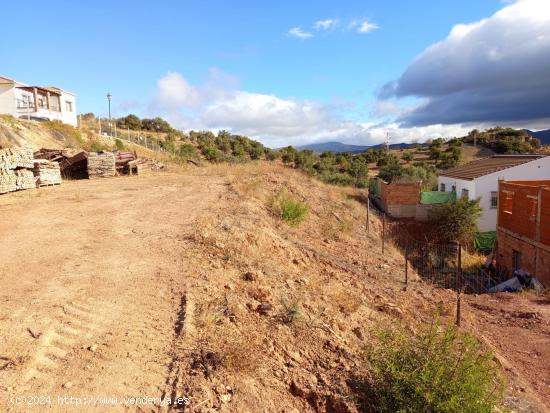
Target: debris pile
x=46 y=172
x=56 y=155
x=101 y=165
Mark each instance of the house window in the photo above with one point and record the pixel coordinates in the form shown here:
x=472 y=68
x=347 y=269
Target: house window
x=442 y=188
x=494 y=199
x=68 y=106
x=516 y=260
x=465 y=194
x=507 y=201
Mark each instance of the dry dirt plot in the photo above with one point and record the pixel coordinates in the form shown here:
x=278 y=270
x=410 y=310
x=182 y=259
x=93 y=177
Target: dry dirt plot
x=188 y=285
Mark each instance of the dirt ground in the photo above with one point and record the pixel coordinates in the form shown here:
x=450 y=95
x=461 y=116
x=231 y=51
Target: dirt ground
x=187 y=285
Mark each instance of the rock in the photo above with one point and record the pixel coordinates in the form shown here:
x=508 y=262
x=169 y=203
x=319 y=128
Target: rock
x=391 y=309
x=264 y=308
x=93 y=348
x=68 y=385
x=294 y=355
x=249 y=276
x=225 y=398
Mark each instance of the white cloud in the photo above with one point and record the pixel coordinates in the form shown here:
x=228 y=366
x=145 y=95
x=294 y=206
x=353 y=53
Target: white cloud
x=491 y=71
x=299 y=33
x=219 y=103
x=326 y=24
x=363 y=26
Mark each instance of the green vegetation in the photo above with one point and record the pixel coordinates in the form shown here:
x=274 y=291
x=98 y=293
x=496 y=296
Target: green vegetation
x=66 y=133
x=438 y=370
x=119 y=145
x=458 y=221
x=504 y=140
x=289 y=209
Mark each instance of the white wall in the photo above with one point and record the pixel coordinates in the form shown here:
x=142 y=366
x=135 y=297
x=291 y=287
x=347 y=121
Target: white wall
x=7 y=100
x=459 y=183
x=66 y=116
x=483 y=186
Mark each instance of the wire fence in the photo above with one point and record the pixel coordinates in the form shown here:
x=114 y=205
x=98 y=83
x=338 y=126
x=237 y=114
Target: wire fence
x=110 y=130
x=438 y=263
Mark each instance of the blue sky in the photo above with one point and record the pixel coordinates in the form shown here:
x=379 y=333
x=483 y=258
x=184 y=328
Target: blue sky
x=206 y=65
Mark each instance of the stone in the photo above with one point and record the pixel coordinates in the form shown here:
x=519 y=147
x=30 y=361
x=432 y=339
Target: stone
x=249 y=276
x=264 y=308
x=68 y=385
x=93 y=348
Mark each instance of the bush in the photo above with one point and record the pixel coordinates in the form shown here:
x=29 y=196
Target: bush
x=337 y=178
x=458 y=221
x=437 y=370
x=119 y=145
x=290 y=210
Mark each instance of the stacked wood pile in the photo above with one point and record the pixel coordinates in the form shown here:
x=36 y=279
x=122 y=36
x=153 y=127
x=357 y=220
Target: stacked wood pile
x=143 y=165
x=14 y=169
x=47 y=172
x=56 y=155
x=125 y=162
x=101 y=165
x=13 y=158
x=75 y=167
x=24 y=179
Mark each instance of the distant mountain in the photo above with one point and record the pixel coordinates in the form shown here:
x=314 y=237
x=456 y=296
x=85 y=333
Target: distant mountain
x=343 y=147
x=542 y=135
x=333 y=147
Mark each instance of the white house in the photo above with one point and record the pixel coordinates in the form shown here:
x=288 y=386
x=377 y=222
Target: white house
x=479 y=179
x=37 y=102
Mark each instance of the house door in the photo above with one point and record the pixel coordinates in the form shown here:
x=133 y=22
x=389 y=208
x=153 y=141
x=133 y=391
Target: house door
x=516 y=260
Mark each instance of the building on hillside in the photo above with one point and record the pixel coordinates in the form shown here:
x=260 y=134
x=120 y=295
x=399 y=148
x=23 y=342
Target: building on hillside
x=37 y=102
x=479 y=179
x=523 y=232
x=404 y=199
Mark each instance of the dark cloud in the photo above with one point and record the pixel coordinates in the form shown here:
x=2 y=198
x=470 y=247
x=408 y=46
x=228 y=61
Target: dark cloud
x=496 y=70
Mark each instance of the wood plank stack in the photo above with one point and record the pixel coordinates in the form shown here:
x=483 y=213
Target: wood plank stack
x=13 y=158
x=7 y=181
x=14 y=172
x=46 y=172
x=101 y=165
x=24 y=179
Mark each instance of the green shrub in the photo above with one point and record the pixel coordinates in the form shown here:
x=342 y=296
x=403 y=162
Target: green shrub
x=457 y=221
x=290 y=210
x=337 y=178
x=437 y=370
x=119 y=145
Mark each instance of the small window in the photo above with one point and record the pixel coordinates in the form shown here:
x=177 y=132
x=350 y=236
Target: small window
x=442 y=188
x=68 y=106
x=465 y=194
x=494 y=199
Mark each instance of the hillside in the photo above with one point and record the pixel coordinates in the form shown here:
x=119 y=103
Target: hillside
x=542 y=135
x=190 y=285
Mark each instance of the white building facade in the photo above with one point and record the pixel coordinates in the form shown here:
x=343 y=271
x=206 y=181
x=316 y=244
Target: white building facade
x=37 y=102
x=479 y=179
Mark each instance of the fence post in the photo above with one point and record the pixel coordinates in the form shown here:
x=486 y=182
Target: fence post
x=368 y=212
x=383 y=232
x=406 y=267
x=458 y=283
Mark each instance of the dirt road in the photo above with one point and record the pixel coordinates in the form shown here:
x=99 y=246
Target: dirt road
x=91 y=288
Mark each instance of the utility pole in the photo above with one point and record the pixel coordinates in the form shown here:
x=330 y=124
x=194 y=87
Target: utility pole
x=387 y=142
x=109 y=96
x=99 y=120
